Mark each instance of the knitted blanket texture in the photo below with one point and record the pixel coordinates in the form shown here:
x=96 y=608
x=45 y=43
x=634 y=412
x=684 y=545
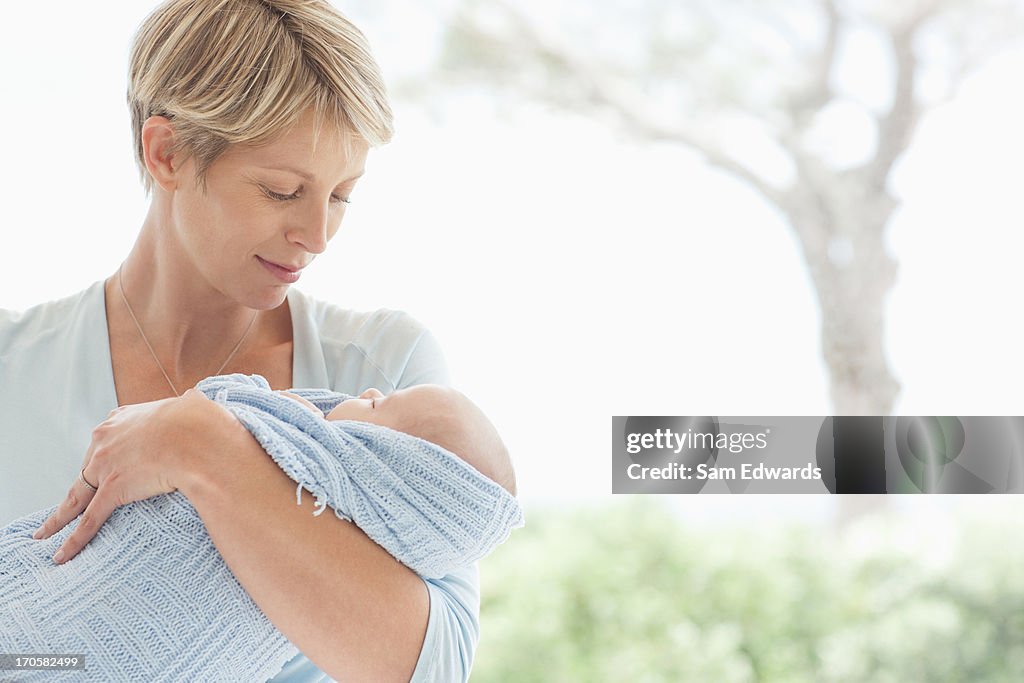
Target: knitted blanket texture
x=150 y=598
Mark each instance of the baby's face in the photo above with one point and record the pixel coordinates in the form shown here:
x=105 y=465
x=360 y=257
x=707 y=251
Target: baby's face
x=437 y=414
x=400 y=410
x=428 y=411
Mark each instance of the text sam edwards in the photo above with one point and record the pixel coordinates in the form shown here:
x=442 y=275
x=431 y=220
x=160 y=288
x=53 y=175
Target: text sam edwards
x=704 y=471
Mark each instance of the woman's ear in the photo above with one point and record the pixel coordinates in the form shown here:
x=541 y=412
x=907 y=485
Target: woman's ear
x=158 y=151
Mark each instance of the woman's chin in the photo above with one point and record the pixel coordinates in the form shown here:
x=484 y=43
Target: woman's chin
x=263 y=297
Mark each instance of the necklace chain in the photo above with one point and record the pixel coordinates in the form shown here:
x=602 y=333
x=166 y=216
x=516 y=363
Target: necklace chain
x=120 y=282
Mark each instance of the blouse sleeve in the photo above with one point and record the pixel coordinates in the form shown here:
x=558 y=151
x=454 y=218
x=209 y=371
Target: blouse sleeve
x=453 y=628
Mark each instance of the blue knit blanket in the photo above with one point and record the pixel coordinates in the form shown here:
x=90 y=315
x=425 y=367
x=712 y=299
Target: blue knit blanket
x=150 y=598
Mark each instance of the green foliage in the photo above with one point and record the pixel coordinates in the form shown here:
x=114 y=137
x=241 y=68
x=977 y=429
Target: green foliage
x=630 y=592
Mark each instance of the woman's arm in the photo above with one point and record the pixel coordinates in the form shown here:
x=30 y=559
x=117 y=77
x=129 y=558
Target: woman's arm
x=349 y=606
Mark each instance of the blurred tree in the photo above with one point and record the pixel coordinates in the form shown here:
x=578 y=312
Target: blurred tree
x=810 y=102
x=630 y=593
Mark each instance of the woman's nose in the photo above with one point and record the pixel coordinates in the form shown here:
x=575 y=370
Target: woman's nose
x=371 y=393
x=314 y=230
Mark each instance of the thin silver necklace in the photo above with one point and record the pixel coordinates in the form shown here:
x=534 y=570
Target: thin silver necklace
x=120 y=282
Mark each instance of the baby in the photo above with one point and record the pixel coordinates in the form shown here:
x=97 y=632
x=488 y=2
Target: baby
x=440 y=415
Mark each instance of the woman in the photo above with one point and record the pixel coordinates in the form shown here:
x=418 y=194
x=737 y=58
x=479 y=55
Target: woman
x=252 y=121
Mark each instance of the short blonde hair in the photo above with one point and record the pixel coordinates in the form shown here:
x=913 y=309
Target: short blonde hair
x=243 y=71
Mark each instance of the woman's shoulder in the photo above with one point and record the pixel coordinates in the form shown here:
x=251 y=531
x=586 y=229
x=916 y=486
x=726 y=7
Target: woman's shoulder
x=363 y=328
x=48 y=320
x=392 y=342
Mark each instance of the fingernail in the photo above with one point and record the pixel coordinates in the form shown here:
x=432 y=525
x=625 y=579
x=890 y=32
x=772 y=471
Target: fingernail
x=59 y=556
x=38 y=532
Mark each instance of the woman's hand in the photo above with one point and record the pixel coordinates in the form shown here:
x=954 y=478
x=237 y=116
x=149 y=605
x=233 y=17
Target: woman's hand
x=132 y=456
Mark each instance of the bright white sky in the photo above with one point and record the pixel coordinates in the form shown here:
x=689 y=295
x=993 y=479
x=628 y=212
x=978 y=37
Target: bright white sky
x=570 y=275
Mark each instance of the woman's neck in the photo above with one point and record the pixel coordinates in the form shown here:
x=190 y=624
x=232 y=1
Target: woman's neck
x=190 y=324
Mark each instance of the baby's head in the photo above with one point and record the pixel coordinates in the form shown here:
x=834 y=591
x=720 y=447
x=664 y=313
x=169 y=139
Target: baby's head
x=442 y=416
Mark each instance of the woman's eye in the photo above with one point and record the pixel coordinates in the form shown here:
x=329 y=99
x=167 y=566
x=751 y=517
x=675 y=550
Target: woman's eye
x=277 y=196
x=280 y=197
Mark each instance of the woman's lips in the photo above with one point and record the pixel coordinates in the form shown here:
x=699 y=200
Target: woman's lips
x=282 y=274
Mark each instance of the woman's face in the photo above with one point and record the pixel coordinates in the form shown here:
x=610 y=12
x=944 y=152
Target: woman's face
x=279 y=203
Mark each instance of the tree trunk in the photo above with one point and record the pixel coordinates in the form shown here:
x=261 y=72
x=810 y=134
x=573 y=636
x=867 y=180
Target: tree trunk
x=852 y=337
x=852 y=274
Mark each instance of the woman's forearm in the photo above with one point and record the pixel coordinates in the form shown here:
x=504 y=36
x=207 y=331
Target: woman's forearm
x=347 y=604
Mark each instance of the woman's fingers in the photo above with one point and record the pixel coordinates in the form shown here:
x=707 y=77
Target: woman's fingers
x=130 y=458
x=97 y=512
x=77 y=499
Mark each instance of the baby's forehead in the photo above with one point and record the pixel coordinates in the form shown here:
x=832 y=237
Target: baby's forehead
x=426 y=396
x=434 y=401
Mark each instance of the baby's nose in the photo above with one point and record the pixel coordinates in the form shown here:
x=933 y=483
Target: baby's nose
x=371 y=393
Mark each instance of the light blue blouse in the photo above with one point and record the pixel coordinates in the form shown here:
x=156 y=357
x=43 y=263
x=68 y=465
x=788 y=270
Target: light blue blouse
x=57 y=383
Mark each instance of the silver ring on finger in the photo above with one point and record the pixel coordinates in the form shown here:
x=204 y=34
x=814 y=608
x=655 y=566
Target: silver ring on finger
x=81 y=475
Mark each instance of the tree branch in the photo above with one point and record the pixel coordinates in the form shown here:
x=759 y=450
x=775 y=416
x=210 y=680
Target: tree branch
x=623 y=101
x=896 y=126
x=800 y=111
x=818 y=92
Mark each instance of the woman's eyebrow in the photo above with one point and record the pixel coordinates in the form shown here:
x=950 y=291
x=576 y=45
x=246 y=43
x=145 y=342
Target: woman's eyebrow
x=308 y=176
